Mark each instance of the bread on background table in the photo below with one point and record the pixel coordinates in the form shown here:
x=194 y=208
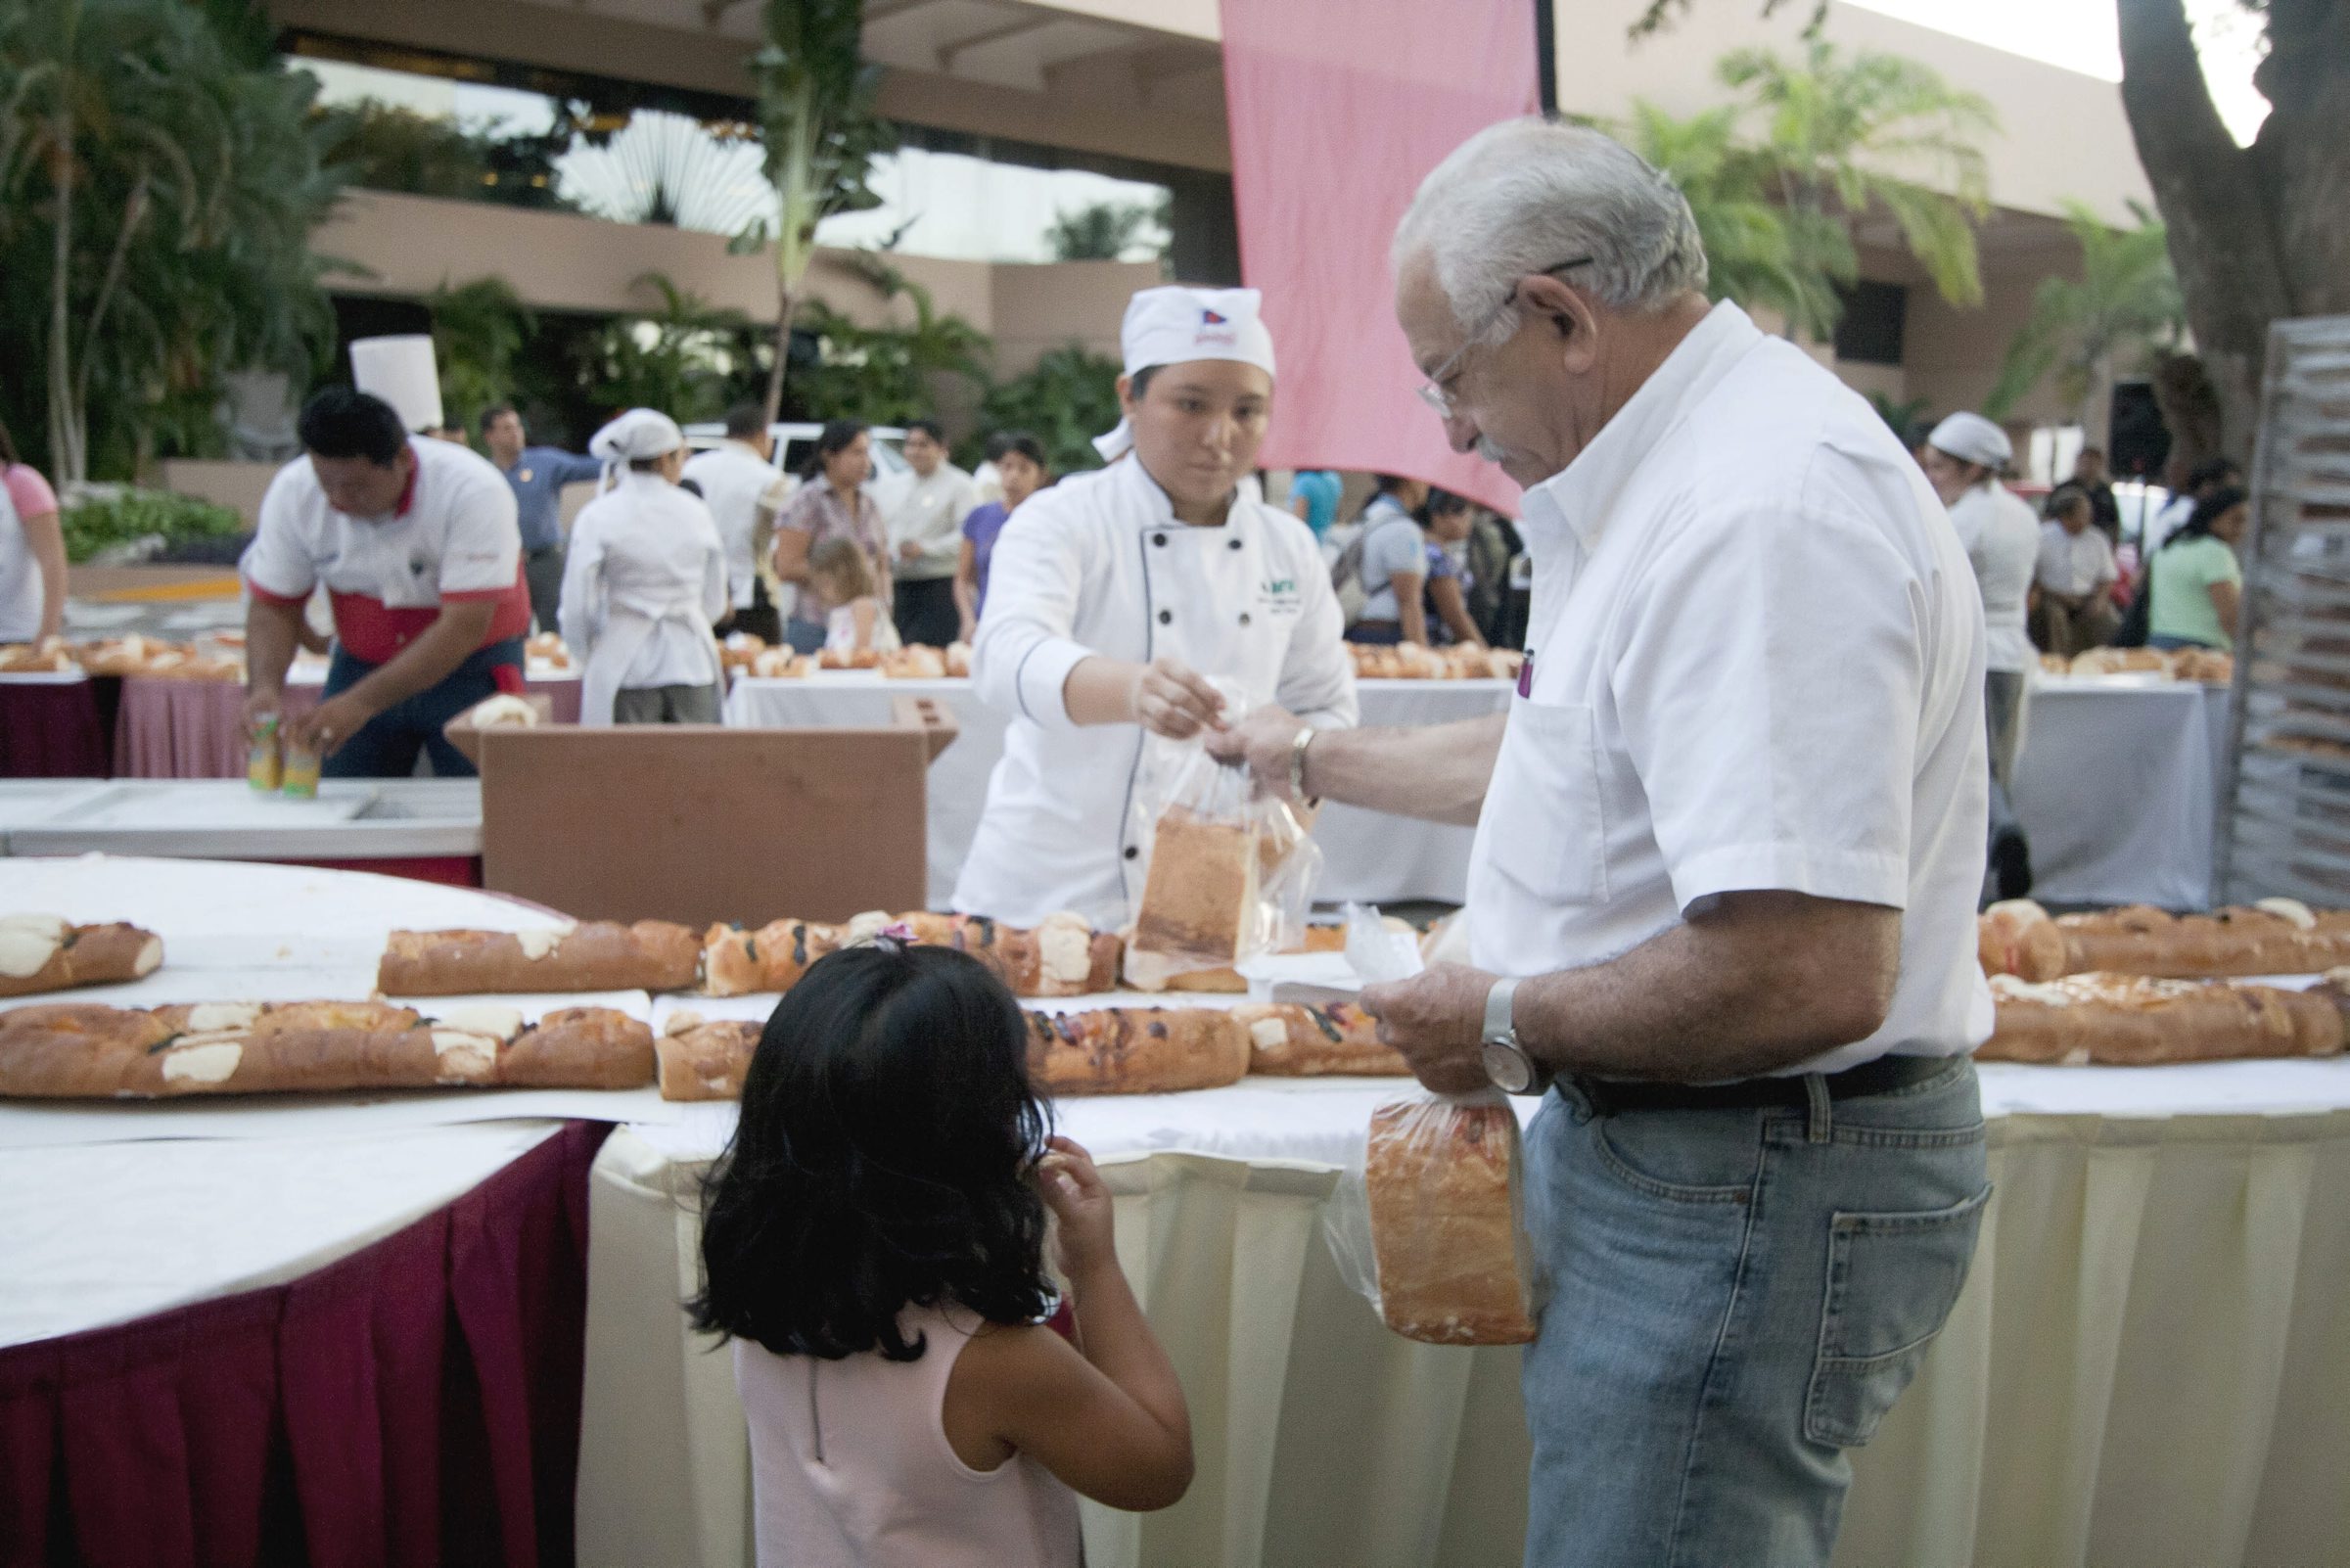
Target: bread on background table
x=41 y=953
x=2142 y=1021
x=1135 y=1050
x=593 y=956
x=2274 y=937
x=705 y=1059
x=1297 y=1039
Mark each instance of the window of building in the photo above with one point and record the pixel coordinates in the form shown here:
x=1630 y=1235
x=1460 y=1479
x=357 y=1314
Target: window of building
x=1870 y=331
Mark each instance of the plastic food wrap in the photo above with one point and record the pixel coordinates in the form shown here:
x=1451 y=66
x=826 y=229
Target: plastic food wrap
x=1228 y=873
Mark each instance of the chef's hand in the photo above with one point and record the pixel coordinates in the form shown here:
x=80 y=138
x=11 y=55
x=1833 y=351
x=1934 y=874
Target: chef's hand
x=260 y=704
x=1175 y=701
x=1437 y=1020
x=1263 y=742
x=324 y=728
x=909 y=551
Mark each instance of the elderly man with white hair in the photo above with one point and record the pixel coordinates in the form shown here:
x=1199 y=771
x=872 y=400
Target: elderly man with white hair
x=1962 y=459
x=1730 y=837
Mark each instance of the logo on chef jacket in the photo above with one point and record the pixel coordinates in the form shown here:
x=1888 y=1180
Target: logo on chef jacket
x=419 y=564
x=1210 y=322
x=1280 y=596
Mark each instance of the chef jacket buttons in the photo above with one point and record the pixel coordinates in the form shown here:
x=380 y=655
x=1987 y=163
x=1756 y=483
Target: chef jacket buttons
x=1244 y=617
x=1131 y=852
x=1165 y=617
x=1231 y=544
x=1158 y=538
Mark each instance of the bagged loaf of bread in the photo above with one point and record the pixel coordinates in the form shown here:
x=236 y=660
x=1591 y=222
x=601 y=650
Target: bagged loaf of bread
x=1433 y=1233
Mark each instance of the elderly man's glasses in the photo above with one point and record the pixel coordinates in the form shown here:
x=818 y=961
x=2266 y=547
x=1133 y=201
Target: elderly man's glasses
x=1434 y=391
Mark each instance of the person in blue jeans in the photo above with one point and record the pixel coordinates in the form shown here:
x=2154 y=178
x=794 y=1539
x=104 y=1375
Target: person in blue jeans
x=1729 y=843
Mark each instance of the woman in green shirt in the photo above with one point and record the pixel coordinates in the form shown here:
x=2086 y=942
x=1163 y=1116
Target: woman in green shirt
x=2194 y=583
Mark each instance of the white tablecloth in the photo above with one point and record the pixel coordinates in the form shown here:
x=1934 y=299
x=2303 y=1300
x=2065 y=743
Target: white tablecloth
x=2116 y=786
x=215 y=1199
x=1367 y=854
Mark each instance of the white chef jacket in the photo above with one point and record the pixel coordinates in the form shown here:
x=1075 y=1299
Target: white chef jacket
x=1098 y=565
x=931 y=514
x=20 y=586
x=2074 y=564
x=2001 y=539
x=645 y=576
x=1754 y=661
x=737 y=483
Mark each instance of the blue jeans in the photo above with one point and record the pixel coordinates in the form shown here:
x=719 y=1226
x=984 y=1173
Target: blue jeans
x=387 y=745
x=1735 y=1298
x=2167 y=643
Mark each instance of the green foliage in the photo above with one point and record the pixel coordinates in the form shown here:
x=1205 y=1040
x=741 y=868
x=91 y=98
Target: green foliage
x=384 y=146
x=680 y=359
x=477 y=331
x=158 y=189
x=98 y=523
x=1105 y=231
x=1905 y=419
x=1775 y=179
x=885 y=374
x=1066 y=400
x=2126 y=304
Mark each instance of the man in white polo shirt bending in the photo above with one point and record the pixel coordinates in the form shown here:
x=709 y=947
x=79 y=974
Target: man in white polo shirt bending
x=417 y=545
x=1730 y=842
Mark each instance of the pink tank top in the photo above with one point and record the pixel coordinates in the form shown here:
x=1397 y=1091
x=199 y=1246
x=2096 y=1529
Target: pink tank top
x=850 y=1466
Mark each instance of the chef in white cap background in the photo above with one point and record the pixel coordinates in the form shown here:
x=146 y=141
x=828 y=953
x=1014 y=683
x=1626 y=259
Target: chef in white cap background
x=1118 y=601
x=1964 y=457
x=645 y=577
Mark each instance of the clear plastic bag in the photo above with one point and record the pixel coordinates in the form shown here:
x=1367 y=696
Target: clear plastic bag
x=1228 y=872
x=1429 y=1226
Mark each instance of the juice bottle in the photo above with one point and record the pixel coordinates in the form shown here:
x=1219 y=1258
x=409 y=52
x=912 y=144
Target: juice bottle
x=263 y=768
x=301 y=771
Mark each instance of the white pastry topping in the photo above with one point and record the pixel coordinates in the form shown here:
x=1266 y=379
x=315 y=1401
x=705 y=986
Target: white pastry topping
x=503 y=713
x=213 y=1018
x=202 y=1062
x=2291 y=910
x=537 y=944
x=868 y=926
x=463 y=1058
x=150 y=960
x=39 y=925
x=25 y=952
x=1065 y=949
x=2008 y=987
x=483 y=1018
x=681 y=1021
x=1270 y=1033
x=2078 y=1056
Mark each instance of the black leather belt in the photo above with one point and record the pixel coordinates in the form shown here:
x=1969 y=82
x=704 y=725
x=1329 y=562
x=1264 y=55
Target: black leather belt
x=1608 y=1097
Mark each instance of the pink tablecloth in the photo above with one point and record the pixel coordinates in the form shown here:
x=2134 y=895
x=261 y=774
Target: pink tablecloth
x=51 y=730
x=196 y=728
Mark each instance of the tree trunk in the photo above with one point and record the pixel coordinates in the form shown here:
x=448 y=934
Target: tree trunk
x=2256 y=235
x=787 y=305
x=66 y=453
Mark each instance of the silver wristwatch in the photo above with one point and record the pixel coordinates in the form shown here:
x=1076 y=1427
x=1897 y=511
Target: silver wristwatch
x=1506 y=1064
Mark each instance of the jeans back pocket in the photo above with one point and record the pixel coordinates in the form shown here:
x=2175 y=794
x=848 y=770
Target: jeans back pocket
x=1892 y=1280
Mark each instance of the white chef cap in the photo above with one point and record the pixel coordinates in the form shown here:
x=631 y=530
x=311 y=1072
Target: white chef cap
x=1972 y=438
x=640 y=433
x=1174 y=326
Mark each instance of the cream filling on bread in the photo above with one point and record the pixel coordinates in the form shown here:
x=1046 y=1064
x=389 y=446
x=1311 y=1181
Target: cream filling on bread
x=681 y=1021
x=537 y=944
x=2291 y=911
x=466 y=1042
x=25 y=953
x=150 y=960
x=213 y=1018
x=865 y=927
x=194 y=1059
x=1270 y=1033
x=1065 y=949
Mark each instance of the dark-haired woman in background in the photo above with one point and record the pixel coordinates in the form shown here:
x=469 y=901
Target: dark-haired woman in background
x=874 y=1245
x=33 y=551
x=2194 y=583
x=830 y=503
x=1021 y=471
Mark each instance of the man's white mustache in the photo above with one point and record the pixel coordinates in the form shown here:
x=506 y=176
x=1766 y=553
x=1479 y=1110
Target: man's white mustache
x=1488 y=450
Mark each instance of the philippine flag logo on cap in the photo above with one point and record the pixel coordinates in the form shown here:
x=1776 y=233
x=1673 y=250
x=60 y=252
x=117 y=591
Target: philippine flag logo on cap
x=1209 y=318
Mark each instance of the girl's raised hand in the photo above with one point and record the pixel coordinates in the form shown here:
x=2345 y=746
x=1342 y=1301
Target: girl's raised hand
x=1074 y=1190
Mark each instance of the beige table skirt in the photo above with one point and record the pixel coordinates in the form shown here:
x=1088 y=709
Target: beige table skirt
x=2150 y=1367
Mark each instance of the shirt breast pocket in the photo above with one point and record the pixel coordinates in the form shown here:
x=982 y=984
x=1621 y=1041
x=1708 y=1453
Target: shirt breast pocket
x=1545 y=826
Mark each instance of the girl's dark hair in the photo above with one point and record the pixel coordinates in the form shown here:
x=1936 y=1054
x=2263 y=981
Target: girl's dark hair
x=1443 y=503
x=838 y=435
x=1386 y=483
x=7 y=447
x=882 y=1161
x=2208 y=511
x=1021 y=441
x=2062 y=499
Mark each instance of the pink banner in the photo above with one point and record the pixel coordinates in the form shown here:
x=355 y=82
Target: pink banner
x=1339 y=107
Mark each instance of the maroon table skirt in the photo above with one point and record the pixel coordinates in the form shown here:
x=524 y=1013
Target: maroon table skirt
x=52 y=731
x=414 y=1404
x=196 y=728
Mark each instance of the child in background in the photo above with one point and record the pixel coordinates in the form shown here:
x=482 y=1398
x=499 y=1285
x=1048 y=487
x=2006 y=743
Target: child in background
x=860 y=623
x=874 y=1245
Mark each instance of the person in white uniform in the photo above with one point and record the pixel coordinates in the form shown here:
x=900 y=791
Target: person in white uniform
x=645 y=579
x=745 y=492
x=1963 y=459
x=1730 y=837
x=1116 y=598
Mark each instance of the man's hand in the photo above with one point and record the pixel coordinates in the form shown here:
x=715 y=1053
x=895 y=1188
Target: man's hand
x=260 y=704
x=1263 y=741
x=324 y=728
x=909 y=551
x=1437 y=1020
x=1175 y=701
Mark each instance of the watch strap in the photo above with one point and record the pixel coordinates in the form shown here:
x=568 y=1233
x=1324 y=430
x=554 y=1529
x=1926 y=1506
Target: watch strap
x=1499 y=1009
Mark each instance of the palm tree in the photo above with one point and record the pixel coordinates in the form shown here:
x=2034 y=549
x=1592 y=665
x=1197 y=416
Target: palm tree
x=1833 y=130
x=478 y=330
x=2125 y=304
x=816 y=118
x=1100 y=231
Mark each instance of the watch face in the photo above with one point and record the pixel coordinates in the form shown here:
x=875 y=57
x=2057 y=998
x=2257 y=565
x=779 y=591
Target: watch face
x=1511 y=1068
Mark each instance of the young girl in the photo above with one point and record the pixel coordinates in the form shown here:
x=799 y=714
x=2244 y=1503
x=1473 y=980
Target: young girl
x=874 y=1245
x=860 y=623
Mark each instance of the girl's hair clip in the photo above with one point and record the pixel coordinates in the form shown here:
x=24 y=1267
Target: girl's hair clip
x=893 y=938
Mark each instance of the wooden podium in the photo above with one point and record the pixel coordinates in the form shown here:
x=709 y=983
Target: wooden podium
x=699 y=823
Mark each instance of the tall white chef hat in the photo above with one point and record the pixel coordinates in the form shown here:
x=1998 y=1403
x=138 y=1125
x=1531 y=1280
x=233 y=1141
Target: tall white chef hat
x=1172 y=326
x=639 y=433
x=1972 y=438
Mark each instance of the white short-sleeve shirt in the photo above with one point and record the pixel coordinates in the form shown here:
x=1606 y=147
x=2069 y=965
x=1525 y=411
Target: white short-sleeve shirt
x=2075 y=564
x=1755 y=662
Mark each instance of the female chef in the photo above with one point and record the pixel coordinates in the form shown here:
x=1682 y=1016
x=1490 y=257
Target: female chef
x=1116 y=598
x=645 y=577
